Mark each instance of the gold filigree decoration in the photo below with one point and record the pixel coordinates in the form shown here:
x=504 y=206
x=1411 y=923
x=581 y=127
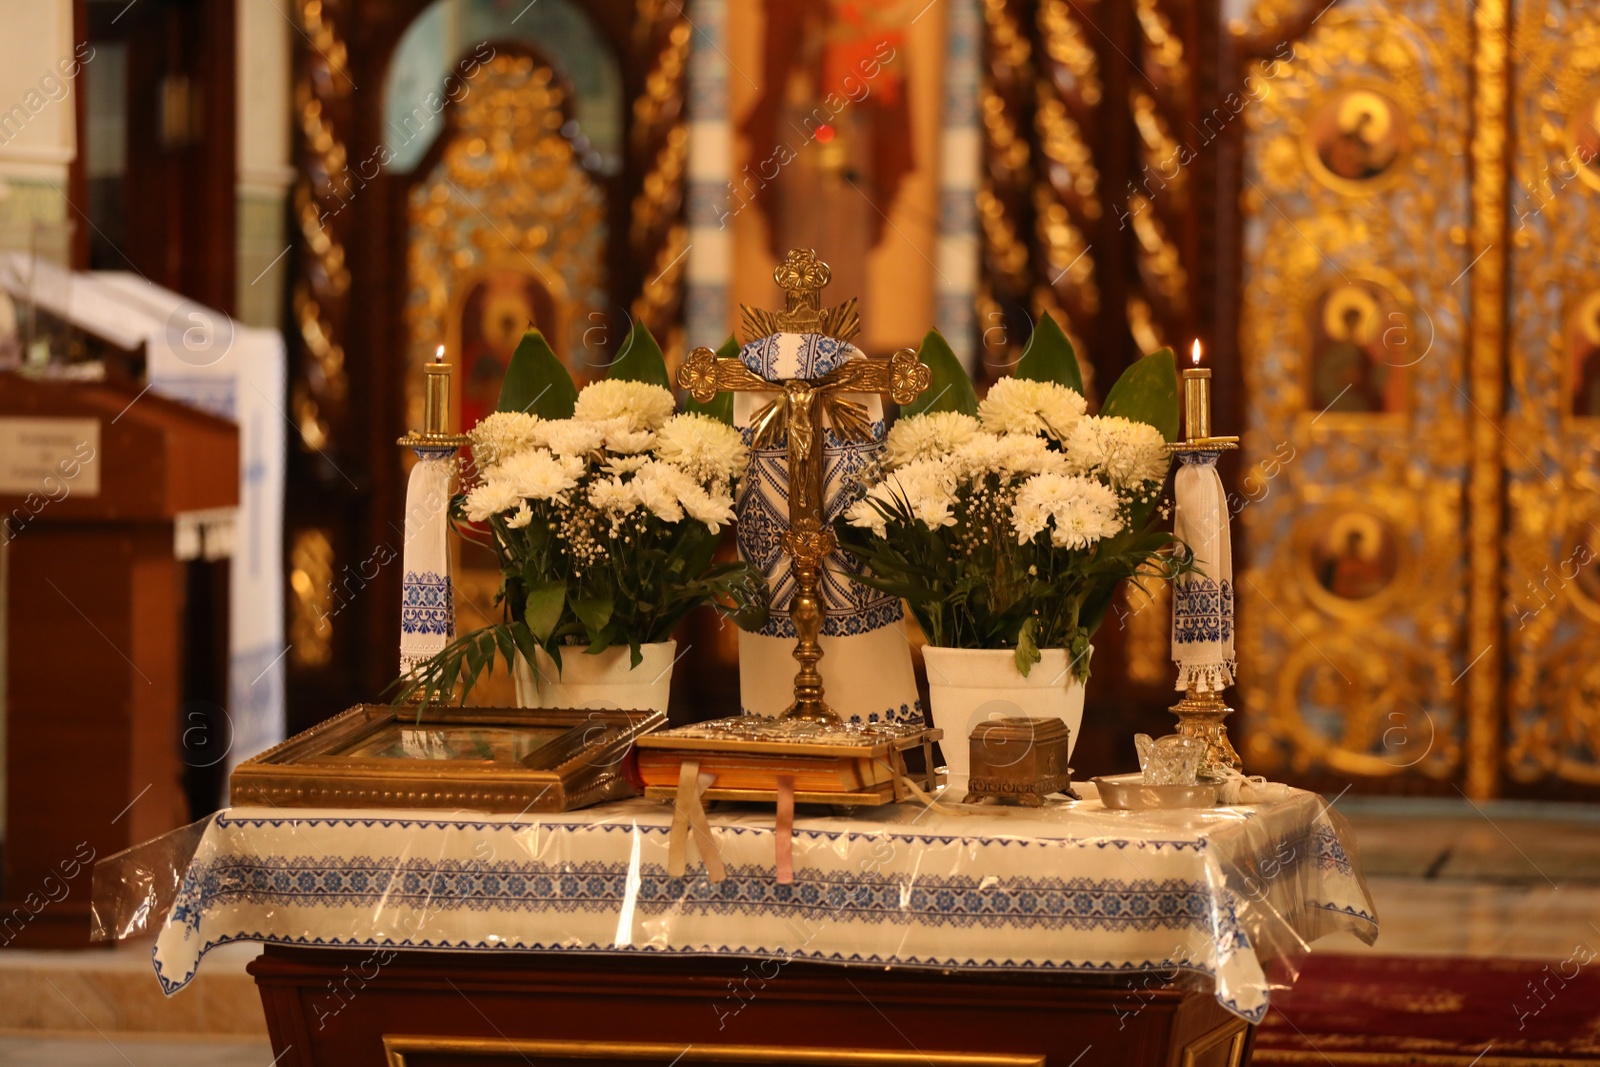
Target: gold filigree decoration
x=1078 y=71
x=311 y=607
x=1067 y=258
x=662 y=98
x=1270 y=15
x=802 y=277
x=1008 y=255
x=661 y=195
x=1066 y=196
x=1007 y=43
x=1142 y=324
x=1160 y=264
x=1149 y=625
x=1486 y=367
x=1550 y=613
x=320 y=387
x=1062 y=143
x=1163 y=47
x=1003 y=197
x=507 y=194
x=656 y=300
x=657 y=233
x=1010 y=149
x=1356 y=683
x=1159 y=150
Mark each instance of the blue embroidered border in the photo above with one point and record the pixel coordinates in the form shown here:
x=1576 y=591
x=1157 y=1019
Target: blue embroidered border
x=427 y=605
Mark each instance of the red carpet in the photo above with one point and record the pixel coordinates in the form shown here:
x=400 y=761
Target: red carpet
x=1382 y=1010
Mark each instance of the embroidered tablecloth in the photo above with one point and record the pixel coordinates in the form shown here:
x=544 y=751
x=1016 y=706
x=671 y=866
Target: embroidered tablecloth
x=1072 y=887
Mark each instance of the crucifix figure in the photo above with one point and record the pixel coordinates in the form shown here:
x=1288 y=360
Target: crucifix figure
x=802 y=412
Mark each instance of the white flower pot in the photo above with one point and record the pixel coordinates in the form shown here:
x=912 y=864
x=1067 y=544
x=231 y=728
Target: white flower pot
x=968 y=685
x=600 y=682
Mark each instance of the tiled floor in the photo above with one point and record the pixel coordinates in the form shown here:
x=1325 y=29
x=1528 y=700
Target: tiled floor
x=1449 y=878
x=130 y=1051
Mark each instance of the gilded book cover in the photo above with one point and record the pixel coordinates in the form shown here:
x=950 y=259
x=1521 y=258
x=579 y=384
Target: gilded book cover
x=829 y=763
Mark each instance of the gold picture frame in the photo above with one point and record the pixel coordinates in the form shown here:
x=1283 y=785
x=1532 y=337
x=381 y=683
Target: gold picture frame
x=415 y=1050
x=484 y=759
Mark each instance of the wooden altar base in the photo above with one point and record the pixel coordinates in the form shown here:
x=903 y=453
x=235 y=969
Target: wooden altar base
x=378 y=1008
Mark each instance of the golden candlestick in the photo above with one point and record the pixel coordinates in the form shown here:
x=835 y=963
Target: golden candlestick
x=1197 y=410
x=435 y=432
x=1197 y=402
x=1200 y=714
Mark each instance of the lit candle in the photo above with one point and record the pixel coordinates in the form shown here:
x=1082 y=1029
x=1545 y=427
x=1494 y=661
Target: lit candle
x=436 y=397
x=1196 y=397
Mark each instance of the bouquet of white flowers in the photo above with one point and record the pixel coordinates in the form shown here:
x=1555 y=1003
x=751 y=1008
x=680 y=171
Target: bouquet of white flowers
x=1010 y=526
x=604 y=525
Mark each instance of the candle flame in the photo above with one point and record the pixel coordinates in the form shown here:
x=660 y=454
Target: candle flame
x=1194 y=352
x=438 y=355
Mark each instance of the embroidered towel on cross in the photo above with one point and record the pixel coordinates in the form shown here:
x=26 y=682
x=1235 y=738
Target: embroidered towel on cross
x=1202 y=601
x=866 y=662
x=427 y=601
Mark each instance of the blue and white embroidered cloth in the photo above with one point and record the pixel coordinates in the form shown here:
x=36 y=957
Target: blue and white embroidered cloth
x=1068 y=888
x=866 y=658
x=1202 y=600
x=427 y=599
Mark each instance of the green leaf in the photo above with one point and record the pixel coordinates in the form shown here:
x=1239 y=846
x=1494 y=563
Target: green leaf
x=1148 y=392
x=537 y=382
x=1027 y=652
x=594 y=612
x=721 y=406
x=640 y=359
x=950 y=389
x=543 y=611
x=1049 y=357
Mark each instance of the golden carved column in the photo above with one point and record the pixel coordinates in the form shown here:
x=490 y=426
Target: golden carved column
x=319 y=386
x=318 y=381
x=1005 y=186
x=1067 y=198
x=658 y=234
x=1485 y=364
x=1159 y=199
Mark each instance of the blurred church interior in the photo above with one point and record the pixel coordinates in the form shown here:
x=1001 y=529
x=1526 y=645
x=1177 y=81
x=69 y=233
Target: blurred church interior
x=241 y=227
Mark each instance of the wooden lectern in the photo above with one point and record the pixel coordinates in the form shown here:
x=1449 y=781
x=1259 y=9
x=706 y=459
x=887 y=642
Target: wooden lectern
x=91 y=477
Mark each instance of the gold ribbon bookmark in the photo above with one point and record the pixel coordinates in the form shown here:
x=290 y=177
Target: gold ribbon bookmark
x=689 y=816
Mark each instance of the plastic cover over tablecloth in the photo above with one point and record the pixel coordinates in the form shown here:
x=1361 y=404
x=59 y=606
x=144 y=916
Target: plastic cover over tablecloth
x=1230 y=894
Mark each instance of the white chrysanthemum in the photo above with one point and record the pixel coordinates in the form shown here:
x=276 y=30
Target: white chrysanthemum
x=574 y=437
x=1126 y=453
x=625 y=464
x=924 y=489
x=865 y=514
x=1010 y=455
x=613 y=497
x=1017 y=405
x=521 y=517
x=713 y=508
x=537 y=475
x=704 y=447
x=1079 y=511
x=493 y=496
x=928 y=436
x=660 y=487
x=630 y=442
x=501 y=435
x=645 y=407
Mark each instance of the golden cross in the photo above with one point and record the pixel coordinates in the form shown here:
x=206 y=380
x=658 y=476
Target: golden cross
x=797 y=412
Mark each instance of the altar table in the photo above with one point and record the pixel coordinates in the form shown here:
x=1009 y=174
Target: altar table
x=462 y=936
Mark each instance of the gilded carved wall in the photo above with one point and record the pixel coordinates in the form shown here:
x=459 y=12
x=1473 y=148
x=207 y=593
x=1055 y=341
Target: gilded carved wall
x=1354 y=341
x=1551 y=612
